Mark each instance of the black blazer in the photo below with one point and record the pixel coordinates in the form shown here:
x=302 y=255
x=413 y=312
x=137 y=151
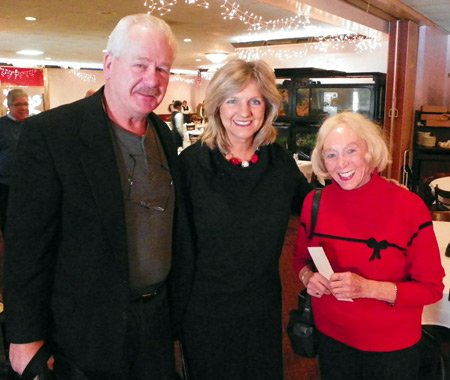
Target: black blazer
x=66 y=265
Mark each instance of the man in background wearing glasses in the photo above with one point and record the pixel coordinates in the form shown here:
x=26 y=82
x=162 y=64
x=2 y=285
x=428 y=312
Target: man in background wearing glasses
x=10 y=128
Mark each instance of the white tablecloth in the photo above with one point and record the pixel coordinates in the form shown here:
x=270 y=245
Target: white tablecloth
x=443 y=183
x=439 y=312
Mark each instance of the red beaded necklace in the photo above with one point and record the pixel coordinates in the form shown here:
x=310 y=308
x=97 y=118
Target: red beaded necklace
x=245 y=164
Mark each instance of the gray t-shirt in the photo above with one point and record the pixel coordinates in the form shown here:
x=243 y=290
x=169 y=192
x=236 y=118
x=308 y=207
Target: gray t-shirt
x=149 y=199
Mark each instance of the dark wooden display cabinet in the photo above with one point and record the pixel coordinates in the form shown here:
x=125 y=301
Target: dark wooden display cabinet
x=310 y=94
x=429 y=161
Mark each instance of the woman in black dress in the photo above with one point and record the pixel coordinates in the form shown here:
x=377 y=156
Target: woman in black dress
x=241 y=188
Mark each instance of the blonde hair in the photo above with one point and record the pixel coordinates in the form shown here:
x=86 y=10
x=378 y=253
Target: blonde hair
x=231 y=79
x=369 y=132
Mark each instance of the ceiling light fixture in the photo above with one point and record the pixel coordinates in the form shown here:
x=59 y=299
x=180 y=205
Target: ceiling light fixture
x=30 y=18
x=216 y=57
x=29 y=52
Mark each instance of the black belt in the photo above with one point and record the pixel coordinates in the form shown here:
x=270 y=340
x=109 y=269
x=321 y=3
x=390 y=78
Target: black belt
x=147 y=296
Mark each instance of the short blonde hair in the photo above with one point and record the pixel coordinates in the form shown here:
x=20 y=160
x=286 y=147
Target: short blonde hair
x=369 y=132
x=231 y=79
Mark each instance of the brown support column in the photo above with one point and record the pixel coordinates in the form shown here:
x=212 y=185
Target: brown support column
x=400 y=88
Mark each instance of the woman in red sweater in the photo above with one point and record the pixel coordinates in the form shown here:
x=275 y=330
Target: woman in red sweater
x=380 y=242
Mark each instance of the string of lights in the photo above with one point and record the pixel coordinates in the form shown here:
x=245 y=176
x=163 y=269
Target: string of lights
x=83 y=76
x=178 y=78
x=165 y=6
x=319 y=45
x=368 y=40
x=232 y=11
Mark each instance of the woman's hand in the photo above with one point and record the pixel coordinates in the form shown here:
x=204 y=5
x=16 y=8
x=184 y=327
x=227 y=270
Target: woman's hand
x=350 y=285
x=317 y=285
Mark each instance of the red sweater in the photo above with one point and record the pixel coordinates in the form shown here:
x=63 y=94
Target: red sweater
x=410 y=259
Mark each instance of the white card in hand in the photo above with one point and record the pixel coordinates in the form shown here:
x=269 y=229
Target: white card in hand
x=321 y=261
x=323 y=265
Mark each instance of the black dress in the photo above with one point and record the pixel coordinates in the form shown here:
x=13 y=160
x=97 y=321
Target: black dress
x=238 y=218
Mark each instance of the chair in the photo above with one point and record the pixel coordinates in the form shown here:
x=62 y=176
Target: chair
x=442 y=199
x=440 y=216
x=434 y=348
x=428 y=185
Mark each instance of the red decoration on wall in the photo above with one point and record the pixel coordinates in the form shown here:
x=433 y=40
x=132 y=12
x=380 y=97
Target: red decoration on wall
x=14 y=76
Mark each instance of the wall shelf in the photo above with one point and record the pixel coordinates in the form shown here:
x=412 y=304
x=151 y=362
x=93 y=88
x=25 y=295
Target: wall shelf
x=426 y=161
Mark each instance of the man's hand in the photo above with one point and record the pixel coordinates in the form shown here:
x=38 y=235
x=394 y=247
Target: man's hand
x=21 y=354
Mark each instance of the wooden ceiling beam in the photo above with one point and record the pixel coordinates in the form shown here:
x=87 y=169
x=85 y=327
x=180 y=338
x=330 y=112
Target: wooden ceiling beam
x=392 y=9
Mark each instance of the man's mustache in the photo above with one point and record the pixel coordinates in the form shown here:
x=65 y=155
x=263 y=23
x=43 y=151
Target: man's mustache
x=148 y=91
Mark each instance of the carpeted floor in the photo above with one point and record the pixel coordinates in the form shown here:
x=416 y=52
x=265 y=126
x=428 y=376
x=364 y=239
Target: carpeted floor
x=295 y=367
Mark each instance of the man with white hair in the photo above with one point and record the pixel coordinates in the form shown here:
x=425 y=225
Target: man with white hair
x=89 y=236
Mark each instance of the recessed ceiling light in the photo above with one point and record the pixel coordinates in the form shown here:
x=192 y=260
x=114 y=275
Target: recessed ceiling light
x=29 y=18
x=198 y=60
x=218 y=57
x=48 y=58
x=187 y=40
x=29 y=52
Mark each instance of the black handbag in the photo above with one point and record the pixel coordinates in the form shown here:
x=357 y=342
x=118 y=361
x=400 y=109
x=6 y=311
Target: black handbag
x=301 y=329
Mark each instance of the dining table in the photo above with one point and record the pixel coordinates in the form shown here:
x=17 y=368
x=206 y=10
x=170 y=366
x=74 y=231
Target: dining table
x=442 y=182
x=436 y=317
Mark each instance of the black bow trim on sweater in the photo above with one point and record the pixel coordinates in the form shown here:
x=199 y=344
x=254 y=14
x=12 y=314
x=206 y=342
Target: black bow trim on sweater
x=371 y=243
x=427 y=224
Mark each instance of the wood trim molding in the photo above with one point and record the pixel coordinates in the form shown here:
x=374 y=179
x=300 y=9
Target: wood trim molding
x=390 y=10
x=400 y=90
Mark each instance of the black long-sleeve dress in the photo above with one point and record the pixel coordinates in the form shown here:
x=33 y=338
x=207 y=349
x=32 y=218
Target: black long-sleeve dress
x=238 y=218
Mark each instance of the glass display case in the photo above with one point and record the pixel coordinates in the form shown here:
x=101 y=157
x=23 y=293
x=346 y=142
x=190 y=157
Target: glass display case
x=309 y=95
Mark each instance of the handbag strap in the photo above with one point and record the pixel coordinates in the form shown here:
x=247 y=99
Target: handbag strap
x=315 y=209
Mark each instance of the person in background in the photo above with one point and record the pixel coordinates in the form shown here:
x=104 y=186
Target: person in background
x=89 y=236
x=186 y=111
x=241 y=188
x=177 y=119
x=10 y=129
x=379 y=240
x=201 y=110
x=170 y=107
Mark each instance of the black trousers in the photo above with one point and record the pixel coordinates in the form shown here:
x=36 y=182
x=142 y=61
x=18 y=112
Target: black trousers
x=149 y=347
x=337 y=361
